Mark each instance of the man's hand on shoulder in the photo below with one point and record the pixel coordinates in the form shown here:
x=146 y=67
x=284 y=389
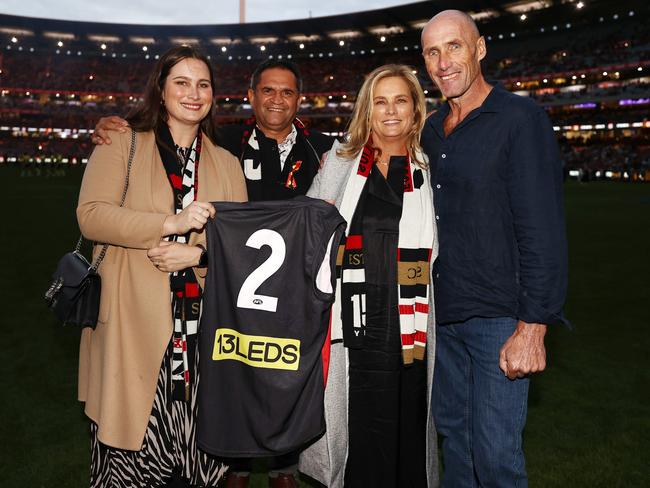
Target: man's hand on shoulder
x=104 y=126
x=524 y=352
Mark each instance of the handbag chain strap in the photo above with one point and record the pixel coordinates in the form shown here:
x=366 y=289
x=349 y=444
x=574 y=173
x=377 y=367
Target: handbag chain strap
x=102 y=253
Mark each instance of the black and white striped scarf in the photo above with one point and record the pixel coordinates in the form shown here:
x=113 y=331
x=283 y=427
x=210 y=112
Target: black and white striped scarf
x=182 y=167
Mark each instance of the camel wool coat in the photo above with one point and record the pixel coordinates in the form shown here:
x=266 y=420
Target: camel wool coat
x=119 y=361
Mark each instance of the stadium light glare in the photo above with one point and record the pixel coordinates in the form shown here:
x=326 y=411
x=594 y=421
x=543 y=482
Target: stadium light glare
x=541 y=29
x=523 y=17
x=426 y=92
x=639 y=68
x=545 y=80
x=500 y=36
x=583 y=76
x=301 y=46
x=60 y=43
x=103 y=47
x=224 y=49
x=631 y=13
x=345 y=97
x=579 y=5
x=382 y=38
x=145 y=48
x=14 y=39
x=262 y=48
x=27 y=93
x=518 y=83
x=289 y=56
x=615 y=16
x=91 y=77
x=341 y=43
x=604 y=73
x=574 y=77
x=331 y=77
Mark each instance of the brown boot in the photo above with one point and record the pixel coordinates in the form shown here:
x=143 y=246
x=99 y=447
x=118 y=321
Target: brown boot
x=237 y=480
x=283 y=480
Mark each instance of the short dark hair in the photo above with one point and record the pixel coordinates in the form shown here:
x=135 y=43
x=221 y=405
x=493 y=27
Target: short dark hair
x=275 y=63
x=150 y=112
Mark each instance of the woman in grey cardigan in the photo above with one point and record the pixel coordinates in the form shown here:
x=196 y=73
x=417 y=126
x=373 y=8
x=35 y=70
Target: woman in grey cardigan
x=377 y=401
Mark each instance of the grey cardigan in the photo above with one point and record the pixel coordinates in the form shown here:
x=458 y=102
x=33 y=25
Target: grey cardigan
x=325 y=460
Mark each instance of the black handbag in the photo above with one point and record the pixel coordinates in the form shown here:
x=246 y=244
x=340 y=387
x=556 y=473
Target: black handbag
x=76 y=286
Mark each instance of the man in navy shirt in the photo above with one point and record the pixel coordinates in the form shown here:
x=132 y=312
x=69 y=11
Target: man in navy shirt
x=501 y=274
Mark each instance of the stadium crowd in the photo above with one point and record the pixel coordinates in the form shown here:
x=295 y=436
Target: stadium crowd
x=592 y=75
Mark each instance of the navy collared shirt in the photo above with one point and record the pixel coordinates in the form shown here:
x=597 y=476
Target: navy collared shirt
x=497 y=185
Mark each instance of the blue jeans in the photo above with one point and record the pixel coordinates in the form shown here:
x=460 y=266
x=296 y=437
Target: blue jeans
x=479 y=413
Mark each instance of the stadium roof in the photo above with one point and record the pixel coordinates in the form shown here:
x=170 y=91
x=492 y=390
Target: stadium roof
x=404 y=17
x=493 y=15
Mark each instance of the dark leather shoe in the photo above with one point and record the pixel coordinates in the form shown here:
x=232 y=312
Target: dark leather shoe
x=283 y=480
x=234 y=480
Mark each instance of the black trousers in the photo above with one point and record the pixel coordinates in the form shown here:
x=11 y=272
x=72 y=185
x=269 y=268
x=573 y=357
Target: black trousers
x=387 y=423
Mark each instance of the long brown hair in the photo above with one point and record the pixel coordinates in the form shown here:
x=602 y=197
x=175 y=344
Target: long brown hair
x=151 y=111
x=360 y=126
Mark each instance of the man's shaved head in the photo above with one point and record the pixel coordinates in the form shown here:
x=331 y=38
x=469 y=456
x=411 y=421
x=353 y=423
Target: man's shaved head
x=465 y=21
x=453 y=49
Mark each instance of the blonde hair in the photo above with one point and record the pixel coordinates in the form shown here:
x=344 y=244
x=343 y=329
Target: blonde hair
x=359 y=129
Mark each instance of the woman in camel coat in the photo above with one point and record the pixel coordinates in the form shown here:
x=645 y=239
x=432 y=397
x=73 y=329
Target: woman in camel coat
x=134 y=364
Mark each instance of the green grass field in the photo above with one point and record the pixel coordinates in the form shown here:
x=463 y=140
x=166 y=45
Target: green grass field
x=589 y=418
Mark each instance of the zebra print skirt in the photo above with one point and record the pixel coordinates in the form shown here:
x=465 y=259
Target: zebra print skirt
x=169 y=445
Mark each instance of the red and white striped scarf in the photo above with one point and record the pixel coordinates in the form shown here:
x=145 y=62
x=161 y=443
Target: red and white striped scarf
x=416 y=238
